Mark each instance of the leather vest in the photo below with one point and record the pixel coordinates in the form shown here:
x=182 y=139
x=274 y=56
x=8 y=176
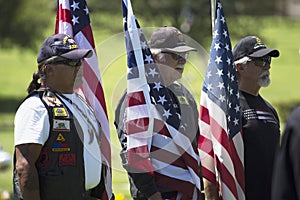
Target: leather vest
x=60 y=165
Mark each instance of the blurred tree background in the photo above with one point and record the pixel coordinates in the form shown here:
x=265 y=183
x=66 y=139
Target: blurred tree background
x=23 y=23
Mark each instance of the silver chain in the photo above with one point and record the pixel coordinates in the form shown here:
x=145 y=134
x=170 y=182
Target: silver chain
x=81 y=111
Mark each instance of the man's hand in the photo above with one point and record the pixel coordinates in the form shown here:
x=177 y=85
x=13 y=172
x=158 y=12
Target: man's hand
x=156 y=196
x=26 y=157
x=211 y=190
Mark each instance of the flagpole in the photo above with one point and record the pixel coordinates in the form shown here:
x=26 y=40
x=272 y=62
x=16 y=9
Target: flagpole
x=213 y=15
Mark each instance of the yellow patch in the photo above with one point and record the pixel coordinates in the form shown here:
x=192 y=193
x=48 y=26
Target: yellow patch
x=60 y=137
x=258 y=40
x=74 y=46
x=183 y=100
x=61 y=112
x=61 y=149
x=70 y=42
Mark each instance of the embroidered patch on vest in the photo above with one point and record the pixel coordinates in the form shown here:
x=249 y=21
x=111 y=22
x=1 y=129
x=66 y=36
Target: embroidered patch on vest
x=43 y=160
x=60 y=146
x=60 y=112
x=183 y=100
x=60 y=138
x=61 y=125
x=67 y=159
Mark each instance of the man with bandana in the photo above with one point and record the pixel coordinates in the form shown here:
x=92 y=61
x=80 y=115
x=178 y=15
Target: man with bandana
x=261 y=130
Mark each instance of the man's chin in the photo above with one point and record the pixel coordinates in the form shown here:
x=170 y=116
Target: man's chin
x=180 y=67
x=264 y=83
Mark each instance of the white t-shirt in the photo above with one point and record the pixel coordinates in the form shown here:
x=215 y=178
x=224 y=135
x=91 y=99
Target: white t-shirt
x=31 y=122
x=32 y=126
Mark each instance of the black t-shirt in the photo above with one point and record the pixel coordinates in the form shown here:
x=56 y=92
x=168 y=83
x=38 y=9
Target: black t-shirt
x=261 y=134
x=286 y=178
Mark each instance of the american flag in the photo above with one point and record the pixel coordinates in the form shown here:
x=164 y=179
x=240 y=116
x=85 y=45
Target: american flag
x=72 y=18
x=221 y=145
x=154 y=144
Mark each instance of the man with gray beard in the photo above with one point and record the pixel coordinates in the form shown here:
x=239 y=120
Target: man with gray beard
x=261 y=131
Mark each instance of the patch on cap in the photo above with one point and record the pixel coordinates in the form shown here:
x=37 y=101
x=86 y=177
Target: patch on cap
x=252 y=46
x=61 y=45
x=259 y=44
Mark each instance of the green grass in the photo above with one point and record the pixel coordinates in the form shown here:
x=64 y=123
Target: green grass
x=6 y=140
x=283 y=35
x=17 y=67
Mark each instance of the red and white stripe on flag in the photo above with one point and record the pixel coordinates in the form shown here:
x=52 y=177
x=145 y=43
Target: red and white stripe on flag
x=139 y=122
x=78 y=27
x=154 y=144
x=221 y=158
x=221 y=144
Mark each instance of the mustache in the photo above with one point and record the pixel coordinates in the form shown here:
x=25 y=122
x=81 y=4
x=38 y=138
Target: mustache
x=265 y=73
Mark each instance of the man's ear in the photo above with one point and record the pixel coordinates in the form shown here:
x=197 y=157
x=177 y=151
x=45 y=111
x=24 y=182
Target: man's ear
x=155 y=57
x=48 y=69
x=239 y=67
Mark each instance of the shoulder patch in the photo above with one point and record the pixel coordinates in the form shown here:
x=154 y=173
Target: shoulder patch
x=66 y=159
x=60 y=112
x=61 y=125
x=183 y=100
x=60 y=138
x=52 y=100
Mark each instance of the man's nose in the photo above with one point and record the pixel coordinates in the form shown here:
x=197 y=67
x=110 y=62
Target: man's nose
x=268 y=66
x=181 y=60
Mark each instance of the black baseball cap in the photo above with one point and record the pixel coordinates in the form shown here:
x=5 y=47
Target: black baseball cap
x=62 y=45
x=169 y=39
x=252 y=47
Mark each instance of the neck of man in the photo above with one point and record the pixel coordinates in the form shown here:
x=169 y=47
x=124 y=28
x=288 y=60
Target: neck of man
x=250 y=88
x=60 y=89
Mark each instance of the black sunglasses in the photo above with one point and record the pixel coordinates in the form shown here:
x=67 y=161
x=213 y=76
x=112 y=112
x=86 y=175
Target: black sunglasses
x=72 y=63
x=177 y=56
x=262 y=62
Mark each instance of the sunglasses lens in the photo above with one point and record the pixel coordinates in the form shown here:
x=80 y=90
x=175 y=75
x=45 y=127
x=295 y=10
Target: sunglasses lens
x=72 y=63
x=268 y=59
x=177 y=56
x=262 y=62
x=259 y=63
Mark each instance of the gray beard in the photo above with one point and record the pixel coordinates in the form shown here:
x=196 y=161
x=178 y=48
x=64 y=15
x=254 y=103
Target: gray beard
x=264 y=79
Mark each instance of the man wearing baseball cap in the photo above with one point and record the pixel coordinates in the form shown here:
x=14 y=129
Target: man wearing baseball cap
x=261 y=130
x=173 y=181
x=170 y=52
x=57 y=147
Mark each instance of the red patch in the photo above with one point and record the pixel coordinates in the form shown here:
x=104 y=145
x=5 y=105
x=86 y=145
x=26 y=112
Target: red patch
x=43 y=160
x=67 y=159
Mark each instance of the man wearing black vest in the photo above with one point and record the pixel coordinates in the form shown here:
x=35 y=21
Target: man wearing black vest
x=57 y=136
